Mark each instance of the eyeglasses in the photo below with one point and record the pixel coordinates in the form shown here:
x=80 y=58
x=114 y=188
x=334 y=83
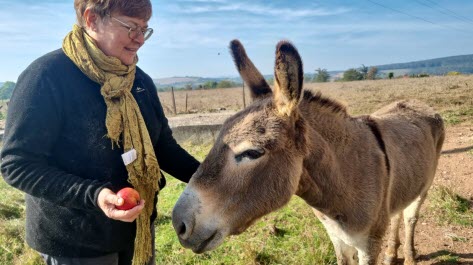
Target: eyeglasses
x=134 y=32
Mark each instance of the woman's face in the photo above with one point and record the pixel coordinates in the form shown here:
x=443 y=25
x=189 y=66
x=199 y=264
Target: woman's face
x=111 y=36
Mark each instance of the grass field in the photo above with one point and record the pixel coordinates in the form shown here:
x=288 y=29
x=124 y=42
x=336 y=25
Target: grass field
x=291 y=235
x=452 y=96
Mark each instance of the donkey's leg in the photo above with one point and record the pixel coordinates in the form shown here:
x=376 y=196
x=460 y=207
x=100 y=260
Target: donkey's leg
x=369 y=251
x=346 y=254
x=369 y=254
x=411 y=213
x=393 y=240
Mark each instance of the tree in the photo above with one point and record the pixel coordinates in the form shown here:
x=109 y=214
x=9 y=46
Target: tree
x=6 y=90
x=226 y=84
x=453 y=73
x=210 y=84
x=364 y=71
x=391 y=75
x=371 y=75
x=188 y=86
x=321 y=75
x=352 y=75
x=307 y=78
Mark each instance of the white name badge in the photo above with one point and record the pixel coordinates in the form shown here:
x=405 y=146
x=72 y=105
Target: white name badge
x=129 y=157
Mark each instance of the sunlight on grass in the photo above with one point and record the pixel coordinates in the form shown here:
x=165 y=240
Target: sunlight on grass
x=446 y=257
x=13 y=249
x=458 y=116
x=450 y=208
x=293 y=229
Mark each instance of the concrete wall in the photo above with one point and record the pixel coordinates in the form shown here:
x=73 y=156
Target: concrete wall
x=196 y=134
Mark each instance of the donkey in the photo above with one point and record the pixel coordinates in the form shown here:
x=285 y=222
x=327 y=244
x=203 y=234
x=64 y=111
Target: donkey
x=357 y=173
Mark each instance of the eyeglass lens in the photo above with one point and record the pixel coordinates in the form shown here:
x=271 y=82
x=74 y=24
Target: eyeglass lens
x=134 y=33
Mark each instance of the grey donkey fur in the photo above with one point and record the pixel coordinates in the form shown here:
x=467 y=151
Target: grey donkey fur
x=357 y=173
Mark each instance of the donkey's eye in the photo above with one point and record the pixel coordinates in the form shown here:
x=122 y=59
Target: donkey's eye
x=250 y=154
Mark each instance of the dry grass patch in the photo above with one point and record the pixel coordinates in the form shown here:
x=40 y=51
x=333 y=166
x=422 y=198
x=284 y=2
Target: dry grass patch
x=451 y=95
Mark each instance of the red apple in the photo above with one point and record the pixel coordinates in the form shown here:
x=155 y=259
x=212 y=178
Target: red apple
x=130 y=197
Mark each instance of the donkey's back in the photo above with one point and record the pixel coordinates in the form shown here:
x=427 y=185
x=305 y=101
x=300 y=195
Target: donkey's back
x=413 y=135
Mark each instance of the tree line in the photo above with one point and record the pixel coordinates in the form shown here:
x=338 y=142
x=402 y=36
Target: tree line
x=206 y=85
x=6 y=90
x=352 y=74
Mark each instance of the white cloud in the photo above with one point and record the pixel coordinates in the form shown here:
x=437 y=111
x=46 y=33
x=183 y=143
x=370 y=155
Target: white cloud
x=187 y=28
x=267 y=10
x=22 y=22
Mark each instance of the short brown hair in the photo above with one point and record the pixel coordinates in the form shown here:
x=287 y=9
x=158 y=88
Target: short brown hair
x=131 y=8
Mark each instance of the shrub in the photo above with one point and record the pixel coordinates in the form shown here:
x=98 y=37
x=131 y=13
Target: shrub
x=352 y=75
x=453 y=73
x=321 y=75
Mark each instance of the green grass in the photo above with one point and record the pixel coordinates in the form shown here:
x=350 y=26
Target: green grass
x=457 y=116
x=291 y=235
x=13 y=249
x=450 y=208
x=445 y=257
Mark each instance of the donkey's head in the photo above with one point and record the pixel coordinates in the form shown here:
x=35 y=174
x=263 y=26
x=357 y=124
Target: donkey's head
x=255 y=165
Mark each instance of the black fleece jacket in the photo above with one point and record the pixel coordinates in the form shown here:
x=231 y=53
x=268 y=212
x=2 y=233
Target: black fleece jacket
x=55 y=149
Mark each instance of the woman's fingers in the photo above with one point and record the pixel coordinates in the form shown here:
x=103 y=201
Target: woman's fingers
x=131 y=214
x=108 y=200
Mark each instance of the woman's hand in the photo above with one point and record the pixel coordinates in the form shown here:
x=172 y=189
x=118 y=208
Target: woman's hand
x=107 y=201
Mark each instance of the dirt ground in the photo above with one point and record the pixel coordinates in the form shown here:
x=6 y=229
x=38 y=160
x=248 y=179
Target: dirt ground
x=455 y=171
x=434 y=243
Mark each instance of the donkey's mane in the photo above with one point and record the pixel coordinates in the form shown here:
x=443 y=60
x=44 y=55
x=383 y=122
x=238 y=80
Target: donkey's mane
x=324 y=102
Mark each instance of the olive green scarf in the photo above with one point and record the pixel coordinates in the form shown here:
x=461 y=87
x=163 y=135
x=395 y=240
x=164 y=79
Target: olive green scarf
x=123 y=118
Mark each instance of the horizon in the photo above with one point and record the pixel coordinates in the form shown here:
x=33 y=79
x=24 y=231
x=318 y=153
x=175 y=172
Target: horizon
x=191 y=37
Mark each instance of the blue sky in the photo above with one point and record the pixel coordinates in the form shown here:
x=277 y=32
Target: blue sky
x=191 y=37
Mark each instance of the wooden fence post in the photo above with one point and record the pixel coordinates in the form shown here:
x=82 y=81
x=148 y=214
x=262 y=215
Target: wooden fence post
x=244 y=100
x=186 y=102
x=173 y=100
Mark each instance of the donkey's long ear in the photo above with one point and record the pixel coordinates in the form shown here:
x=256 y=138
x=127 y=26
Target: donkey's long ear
x=289 y=76
x=253 y=78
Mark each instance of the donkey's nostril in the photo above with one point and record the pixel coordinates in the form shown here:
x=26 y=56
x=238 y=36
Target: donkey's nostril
x=182 y=229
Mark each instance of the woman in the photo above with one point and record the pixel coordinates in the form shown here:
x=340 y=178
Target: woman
x=73 y=114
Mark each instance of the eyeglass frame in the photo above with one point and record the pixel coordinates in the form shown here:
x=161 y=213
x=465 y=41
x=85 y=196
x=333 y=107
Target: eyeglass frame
x=137 y=29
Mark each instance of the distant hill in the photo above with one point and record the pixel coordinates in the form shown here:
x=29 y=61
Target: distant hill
x=438 y=66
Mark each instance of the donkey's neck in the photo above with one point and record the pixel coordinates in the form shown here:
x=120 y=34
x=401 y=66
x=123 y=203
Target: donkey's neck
x=326 y=183
x=321 y=180
x=323 y=186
